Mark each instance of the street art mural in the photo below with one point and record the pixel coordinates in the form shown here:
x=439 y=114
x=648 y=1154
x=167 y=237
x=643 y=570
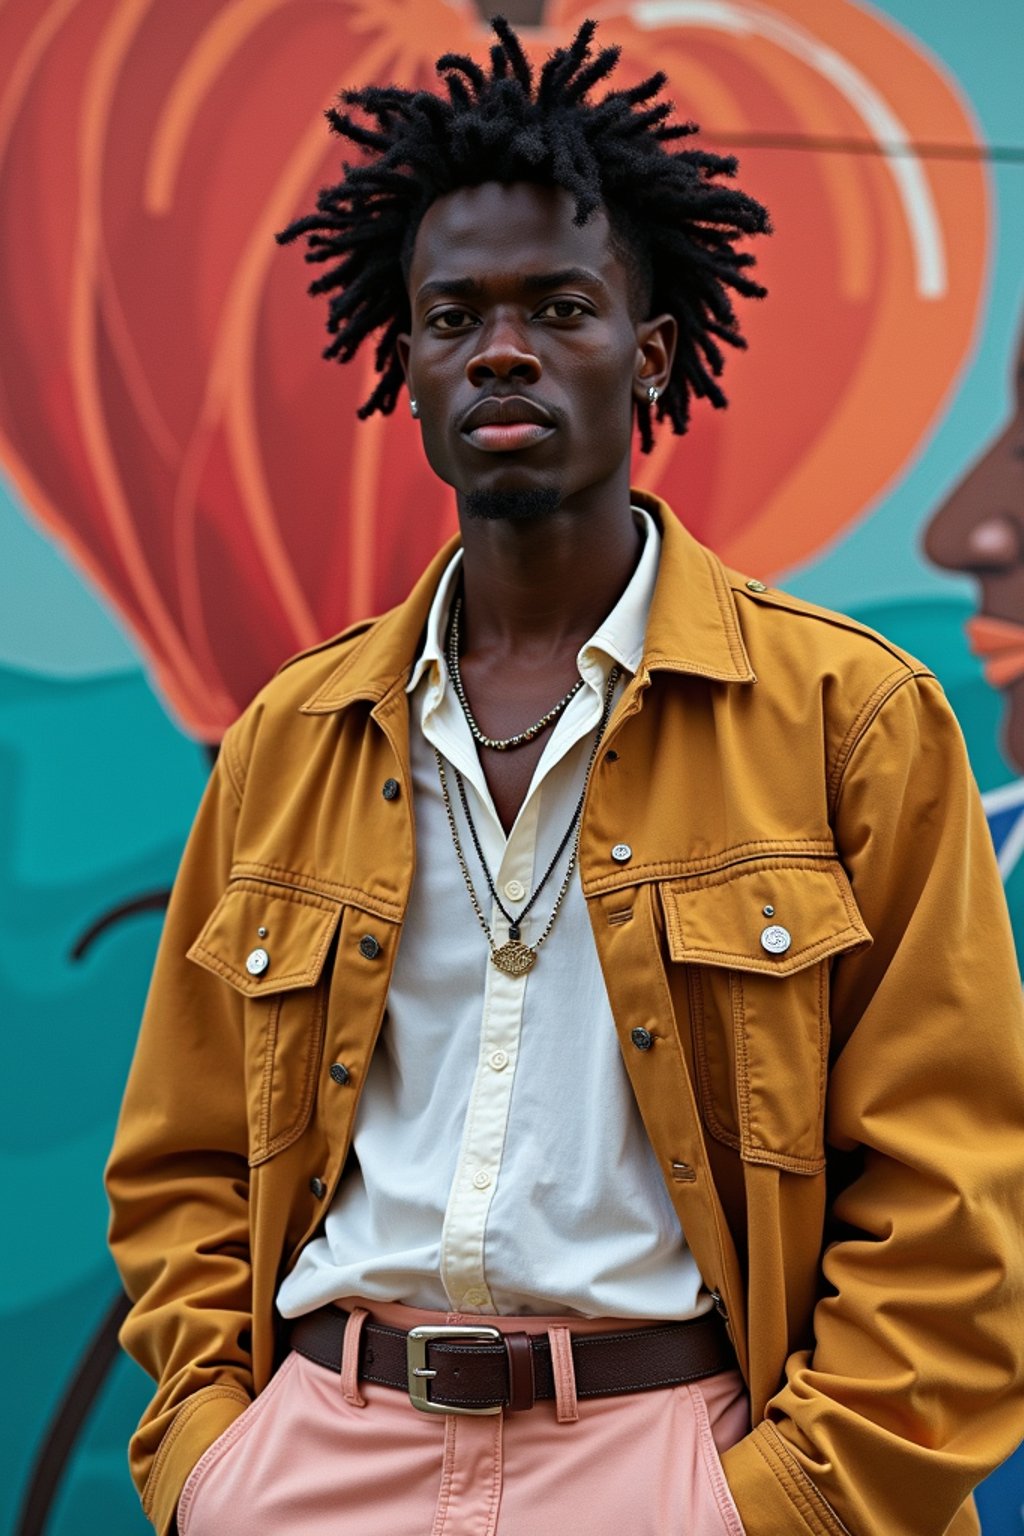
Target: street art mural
x=188 y=497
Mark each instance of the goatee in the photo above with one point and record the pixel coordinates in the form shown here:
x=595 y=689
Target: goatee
x=512 y=506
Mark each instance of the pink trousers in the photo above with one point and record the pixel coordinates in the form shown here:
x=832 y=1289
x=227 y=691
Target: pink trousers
x=318 y=1454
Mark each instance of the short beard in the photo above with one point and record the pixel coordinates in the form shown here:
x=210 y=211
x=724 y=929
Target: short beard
x=512 y=506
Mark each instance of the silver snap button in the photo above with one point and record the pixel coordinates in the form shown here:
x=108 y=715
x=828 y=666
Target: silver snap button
x=776 y=939
x=257 y=962
x=768 y=911
x=621 y=853
x=340 y=1073
x=642 y=1039
x=261 y=933
x=756 y=586
x=368 y=947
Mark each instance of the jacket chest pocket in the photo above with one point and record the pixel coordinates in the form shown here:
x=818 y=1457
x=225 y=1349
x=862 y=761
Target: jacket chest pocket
x=270 y=943
x=758 y=942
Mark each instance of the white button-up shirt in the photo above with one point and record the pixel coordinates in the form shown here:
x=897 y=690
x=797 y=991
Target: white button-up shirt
x=500 y=1164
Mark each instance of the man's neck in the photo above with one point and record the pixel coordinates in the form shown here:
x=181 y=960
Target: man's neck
x=538 y=589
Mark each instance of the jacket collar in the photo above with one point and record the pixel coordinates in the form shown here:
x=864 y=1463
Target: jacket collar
x=693 y=625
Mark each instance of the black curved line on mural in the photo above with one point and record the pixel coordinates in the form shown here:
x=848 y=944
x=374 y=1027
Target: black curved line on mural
x=150 y=901
x=71 y=1413
x=102 y=1350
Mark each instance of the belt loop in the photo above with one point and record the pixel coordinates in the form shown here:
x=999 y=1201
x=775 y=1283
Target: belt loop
x=521 y=1380
x=350 y=1358
x=566 y=1409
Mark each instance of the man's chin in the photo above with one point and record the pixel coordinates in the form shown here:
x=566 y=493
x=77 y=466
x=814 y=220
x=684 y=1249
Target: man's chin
x=512 y=506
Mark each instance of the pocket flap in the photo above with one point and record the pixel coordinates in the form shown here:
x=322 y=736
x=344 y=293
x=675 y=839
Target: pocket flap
x=290 y=954
x=720 y=919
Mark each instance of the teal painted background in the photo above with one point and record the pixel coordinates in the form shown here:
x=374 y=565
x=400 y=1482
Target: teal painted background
x=99 y=788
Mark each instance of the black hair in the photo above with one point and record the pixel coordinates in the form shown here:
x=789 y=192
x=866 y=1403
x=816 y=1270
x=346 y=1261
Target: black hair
x=672 y=221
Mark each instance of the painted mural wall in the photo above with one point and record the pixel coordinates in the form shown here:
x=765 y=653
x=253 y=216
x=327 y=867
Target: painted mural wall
x=186 y=496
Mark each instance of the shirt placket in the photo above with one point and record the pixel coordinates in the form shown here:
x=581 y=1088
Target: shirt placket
x=463 y=1266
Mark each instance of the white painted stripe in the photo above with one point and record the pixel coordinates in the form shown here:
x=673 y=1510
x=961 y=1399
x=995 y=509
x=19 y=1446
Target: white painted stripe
x=879 y=118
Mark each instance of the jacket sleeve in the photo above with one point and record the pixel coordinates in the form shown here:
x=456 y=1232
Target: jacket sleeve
x=913 y=1391
x=178 y=1180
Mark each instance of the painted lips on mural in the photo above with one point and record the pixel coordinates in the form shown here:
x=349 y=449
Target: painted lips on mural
x=979 y=530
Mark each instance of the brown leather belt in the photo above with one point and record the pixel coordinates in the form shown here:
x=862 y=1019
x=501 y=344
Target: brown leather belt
x=477 y=1369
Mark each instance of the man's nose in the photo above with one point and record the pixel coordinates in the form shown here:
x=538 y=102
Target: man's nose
x=979 y=527
x=503 y=353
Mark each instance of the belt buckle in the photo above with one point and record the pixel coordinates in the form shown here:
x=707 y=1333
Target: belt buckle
x=420 y=1373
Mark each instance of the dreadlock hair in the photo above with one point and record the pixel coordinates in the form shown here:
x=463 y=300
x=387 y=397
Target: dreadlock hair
x=672 y=221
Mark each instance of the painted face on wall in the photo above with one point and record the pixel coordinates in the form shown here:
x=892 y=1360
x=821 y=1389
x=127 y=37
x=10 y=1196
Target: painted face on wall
x=979 y=529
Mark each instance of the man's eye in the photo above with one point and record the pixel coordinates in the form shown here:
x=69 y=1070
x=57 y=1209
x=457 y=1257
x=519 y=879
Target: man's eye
x=562 y=309
x=450 y=320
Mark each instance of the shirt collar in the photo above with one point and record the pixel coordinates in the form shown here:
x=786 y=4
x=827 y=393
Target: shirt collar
x=694 y=625
x=619 y=638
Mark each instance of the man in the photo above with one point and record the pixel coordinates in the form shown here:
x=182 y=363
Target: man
x=600 y=953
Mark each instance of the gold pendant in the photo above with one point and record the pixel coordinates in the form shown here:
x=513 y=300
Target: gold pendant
x=514 y=958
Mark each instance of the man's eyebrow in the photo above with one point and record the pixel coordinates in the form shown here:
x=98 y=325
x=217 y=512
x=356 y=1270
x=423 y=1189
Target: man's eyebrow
x=533 y=282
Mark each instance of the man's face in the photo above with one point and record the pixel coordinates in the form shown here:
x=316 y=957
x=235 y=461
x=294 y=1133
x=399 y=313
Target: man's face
x=523 y=355
x=980 y=529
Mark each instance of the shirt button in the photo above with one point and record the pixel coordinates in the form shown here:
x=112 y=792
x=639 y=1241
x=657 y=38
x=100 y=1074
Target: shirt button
x=475 y=1297
x=318 y=1187
x=390 y=789
x=482 y=1179
x=340 y=1073
x=369 y=947
x=498 y=1060
x=621 y=853
x=257 y=962
x=515 y=890
x=642 y=1039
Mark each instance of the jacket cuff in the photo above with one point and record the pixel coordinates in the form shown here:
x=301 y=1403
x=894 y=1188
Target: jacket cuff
x=200 y=1421
x=772 y=1491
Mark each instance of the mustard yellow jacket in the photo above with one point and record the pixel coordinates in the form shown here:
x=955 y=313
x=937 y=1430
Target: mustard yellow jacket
x=840 y=1126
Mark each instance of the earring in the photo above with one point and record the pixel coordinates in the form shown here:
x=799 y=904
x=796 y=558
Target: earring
x=652 y=393
x=414 y=407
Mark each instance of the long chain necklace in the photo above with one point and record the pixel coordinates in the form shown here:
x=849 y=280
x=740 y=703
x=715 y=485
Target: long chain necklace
x=496 y=743
x=514 y=957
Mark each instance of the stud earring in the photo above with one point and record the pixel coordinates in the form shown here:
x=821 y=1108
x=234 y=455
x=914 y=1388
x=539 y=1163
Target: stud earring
x=652 y=393
x=414 y=407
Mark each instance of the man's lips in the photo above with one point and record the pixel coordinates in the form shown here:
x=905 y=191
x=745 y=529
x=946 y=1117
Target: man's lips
x=1000 y=644
x=500 y=424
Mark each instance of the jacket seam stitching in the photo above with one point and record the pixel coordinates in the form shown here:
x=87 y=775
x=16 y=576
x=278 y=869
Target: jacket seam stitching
x=301 y=898
x=813 y=1501
x=678 y=869
x=727 y=611
x=303 y=978
x=184 y=1416
x=284 y=1138
x=233 y=771
x=864 y=718
x=350 y=894
x=706 y=1096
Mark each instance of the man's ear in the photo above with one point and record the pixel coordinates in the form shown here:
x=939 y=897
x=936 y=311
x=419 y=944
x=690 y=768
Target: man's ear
x=655 y=351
